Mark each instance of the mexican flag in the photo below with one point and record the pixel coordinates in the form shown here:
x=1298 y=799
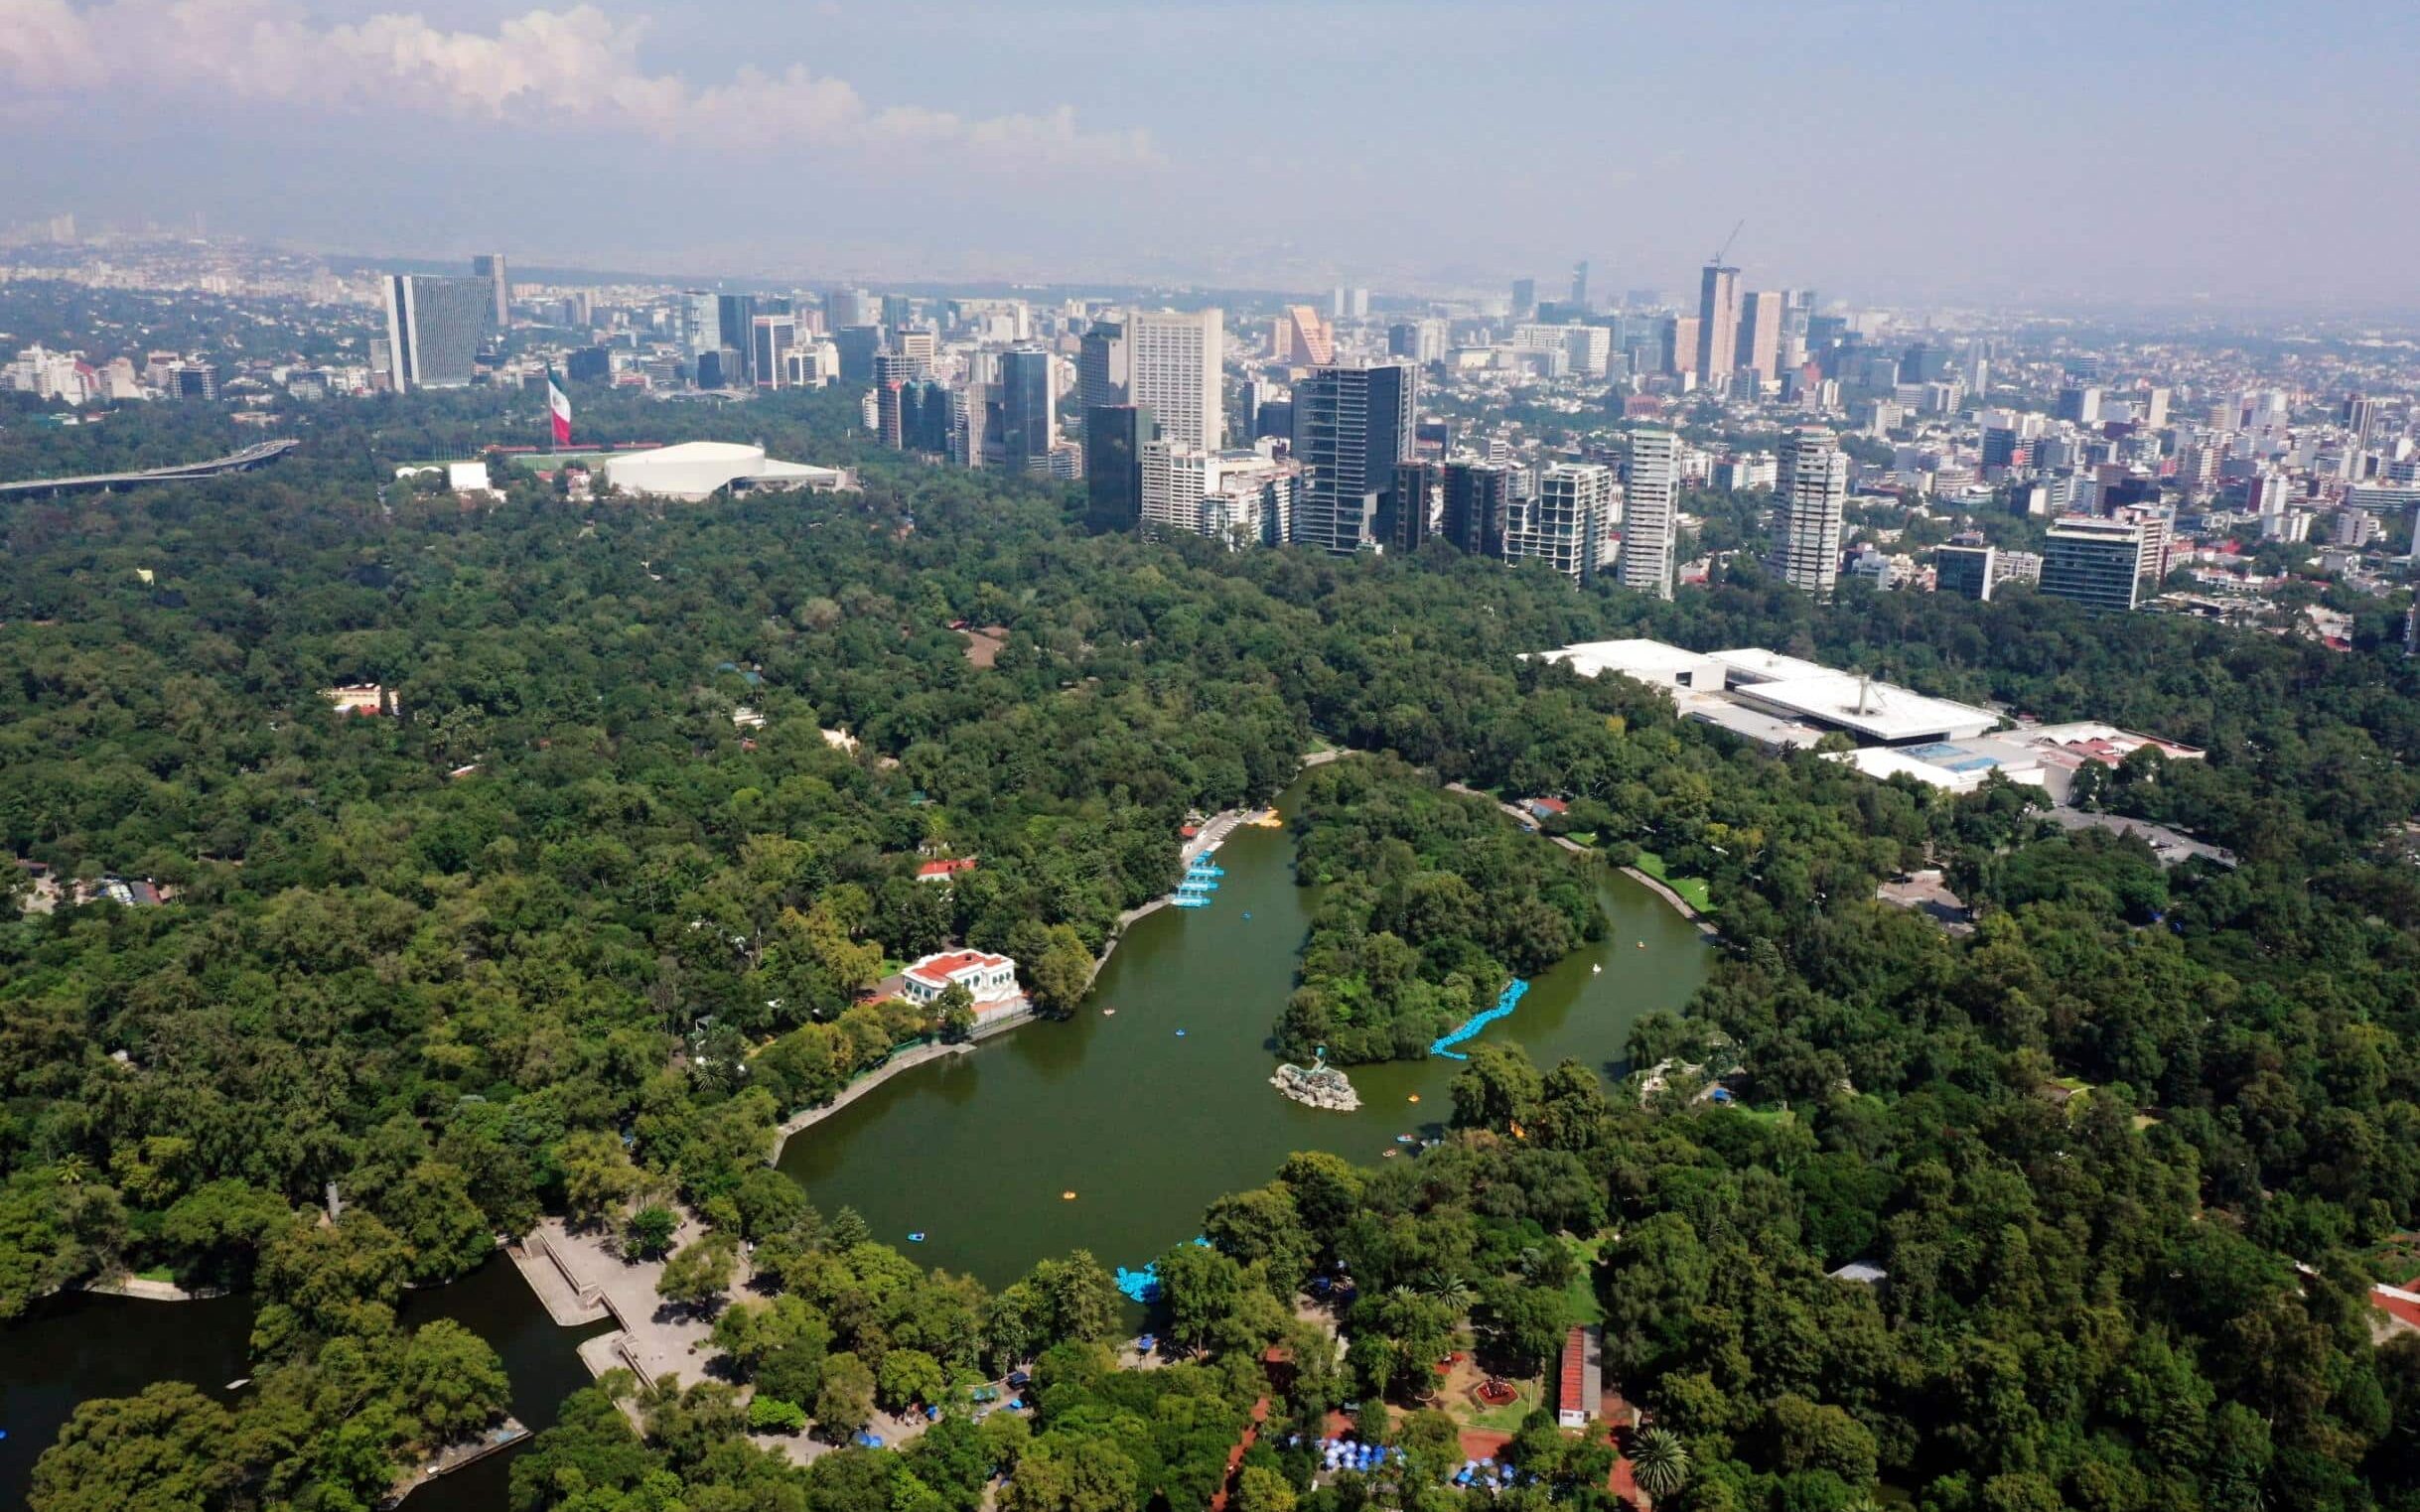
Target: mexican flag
x=558 y=408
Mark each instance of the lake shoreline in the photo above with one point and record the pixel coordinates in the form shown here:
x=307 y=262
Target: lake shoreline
x=1679 y=905
x=1212 y=834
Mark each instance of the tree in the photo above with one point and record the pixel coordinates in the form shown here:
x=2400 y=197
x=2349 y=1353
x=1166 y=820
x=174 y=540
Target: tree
x=218 y=1229
x=442 y=1228
x=647 y=1232
x=955 y=1012
x=331 y=1278
x=771 y=1415
x=1078 y=1299
x=1062 y=973
x=908 y=1377
x=1203 y=1292
x=1499 y=1089
x=1659 y=1462
x=1432 y=1443
x=697 y=1276
x=162 y=1449
x=1260 y=1489
x=1066 y=1473
x=1262 y=1226
x=450 y=1382
x=844 y=1399
x=598 y=1175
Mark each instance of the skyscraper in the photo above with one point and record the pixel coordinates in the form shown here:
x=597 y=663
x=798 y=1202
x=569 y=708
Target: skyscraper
x=1351 y=426
x=1964 y=568
x=1302 y=337
x=770 y=339
x=1649 y=514
x=735 y=321
x=850 y=306
x=1028 y=409
x=2107 y=564
x=1100 y=368
x=1412 y=511
x=1718 y=317
x=1813 y=490
x=1579 y=285
x=857 y=346
x=1174 y=365
x=1477 y=495
x=1566 y=522
x=1114 y=438
x=433 y=326
x=701 y=323
x=1421 y=340
x=1759 y=337
x=491 y=266
x=1524 y=298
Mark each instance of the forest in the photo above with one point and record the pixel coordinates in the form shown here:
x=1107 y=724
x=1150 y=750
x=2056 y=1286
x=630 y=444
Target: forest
x=559 y=935
x=1433 y=904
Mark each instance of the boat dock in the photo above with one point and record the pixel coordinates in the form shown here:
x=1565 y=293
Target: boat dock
x=454 y=1456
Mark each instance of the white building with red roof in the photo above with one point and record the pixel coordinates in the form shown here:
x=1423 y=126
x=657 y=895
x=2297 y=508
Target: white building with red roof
x=990 y=979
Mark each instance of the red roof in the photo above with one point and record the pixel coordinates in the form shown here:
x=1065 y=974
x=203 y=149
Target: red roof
x=937 y=969
x=950 y=868
x=1574 y=1375
x=2398 y=1302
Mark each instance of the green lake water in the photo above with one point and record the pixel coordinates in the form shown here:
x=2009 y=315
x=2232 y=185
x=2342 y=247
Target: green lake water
x=1145 y=1124
x=73 y=1347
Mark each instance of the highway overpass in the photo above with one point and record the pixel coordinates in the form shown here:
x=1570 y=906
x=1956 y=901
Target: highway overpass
x=260 y=454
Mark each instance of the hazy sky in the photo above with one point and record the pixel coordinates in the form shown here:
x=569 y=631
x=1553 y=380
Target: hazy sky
x=2251 y=152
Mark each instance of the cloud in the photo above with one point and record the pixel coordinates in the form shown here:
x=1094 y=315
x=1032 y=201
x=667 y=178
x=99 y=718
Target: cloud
x=575 y=68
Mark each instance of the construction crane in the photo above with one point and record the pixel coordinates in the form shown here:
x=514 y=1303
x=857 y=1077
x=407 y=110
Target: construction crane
x=1719 y=252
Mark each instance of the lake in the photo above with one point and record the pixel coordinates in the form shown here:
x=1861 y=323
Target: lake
x=1146 y=1113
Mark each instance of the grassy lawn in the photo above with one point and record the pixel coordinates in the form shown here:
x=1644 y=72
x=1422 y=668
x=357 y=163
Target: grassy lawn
x=1506 y=1418
x=1584 y=837
x=1692 y=890
x=1320 y=743
x=1581 y=1291
x=157 y=1273
x=540 y=462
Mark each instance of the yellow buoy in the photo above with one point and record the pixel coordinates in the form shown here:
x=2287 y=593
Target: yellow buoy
x=1067 y=1196
x=1415 y=1097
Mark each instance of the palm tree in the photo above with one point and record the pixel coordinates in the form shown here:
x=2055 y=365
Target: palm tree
x=1659 y=1462
x=1454 y=1291
x=70 y=1169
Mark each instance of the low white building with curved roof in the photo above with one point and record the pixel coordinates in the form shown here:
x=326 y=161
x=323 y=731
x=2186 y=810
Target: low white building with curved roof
x=696 y=470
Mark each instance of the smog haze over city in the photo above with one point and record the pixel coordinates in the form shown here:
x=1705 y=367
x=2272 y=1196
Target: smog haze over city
x=2227 y=155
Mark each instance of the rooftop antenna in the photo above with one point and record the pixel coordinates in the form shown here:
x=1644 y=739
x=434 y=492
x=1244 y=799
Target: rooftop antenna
x=1719 y=252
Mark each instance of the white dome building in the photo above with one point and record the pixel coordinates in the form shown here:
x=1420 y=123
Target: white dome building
x=696 y=470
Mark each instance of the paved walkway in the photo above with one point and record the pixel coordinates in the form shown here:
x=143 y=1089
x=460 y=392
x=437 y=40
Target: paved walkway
x=1528 y=821
x=985 y=1027
x=655 y=1340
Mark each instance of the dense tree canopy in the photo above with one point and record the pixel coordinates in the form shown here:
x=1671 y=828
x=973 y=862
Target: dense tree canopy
x=561 y=934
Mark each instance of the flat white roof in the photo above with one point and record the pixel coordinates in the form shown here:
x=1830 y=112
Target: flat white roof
x=1645 y=659
x=1882 y=762
x=1771 y=731
x=1878 y=710
x=1755 y=663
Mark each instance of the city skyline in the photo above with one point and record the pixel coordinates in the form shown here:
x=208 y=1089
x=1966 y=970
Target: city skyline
x=1978 y=183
